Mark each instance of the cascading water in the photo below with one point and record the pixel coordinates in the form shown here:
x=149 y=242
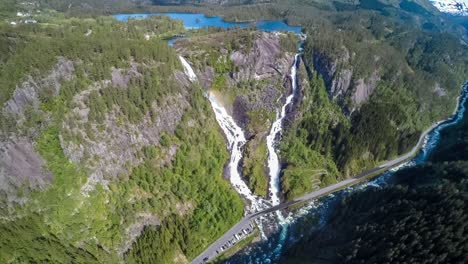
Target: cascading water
x=236 y=141
x=270 y=250
x=188 y=69
x=274 y=169
x=275 y=135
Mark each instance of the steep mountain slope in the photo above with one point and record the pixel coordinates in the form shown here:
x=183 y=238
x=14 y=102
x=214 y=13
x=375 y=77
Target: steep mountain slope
x=249 y=73
x=419 y=217
x=97 y=145
x=110 y=153
x=375 y=84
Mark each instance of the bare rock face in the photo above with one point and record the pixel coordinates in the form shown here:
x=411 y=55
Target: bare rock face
x=29 y=92
x=439 y=90
x=264 y=61
x=336 y=79
x=207 y=76
x=122 y=77
x=261 y=71
x=341 y=81
x=21 y=166
x=110 y=150
x=364 y=89
x=134 y=230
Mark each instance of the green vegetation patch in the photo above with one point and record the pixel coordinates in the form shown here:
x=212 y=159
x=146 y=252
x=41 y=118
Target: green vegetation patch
x=178 y=185
x=254 y=166
x=207 y=205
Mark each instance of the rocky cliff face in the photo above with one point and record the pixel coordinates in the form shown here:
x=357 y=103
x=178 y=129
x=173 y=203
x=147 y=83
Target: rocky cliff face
x=250 y=72
x=20 y=165
x=258 y=74
x=111 y=149
x=28 y=93
x=106 y=150
x=341 y=82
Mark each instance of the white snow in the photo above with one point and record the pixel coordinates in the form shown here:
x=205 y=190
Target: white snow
x=454 y=7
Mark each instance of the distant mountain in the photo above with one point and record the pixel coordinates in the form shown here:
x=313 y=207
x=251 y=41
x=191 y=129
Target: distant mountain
x=454 y=7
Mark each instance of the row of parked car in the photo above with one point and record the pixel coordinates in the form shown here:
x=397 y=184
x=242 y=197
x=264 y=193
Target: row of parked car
x=239 y=236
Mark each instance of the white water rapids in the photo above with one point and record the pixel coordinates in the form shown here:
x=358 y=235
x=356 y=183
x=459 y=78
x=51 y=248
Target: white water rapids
x=274 y=136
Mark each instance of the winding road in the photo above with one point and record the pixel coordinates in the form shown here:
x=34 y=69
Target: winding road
x=214 y=249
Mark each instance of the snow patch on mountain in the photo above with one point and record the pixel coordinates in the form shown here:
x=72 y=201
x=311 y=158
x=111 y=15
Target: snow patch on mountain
x=454 y=7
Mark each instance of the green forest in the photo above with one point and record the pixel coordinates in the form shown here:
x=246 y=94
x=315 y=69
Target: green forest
x=171 y=201
x=420 y=217
x=61 y=224
x=335 y=137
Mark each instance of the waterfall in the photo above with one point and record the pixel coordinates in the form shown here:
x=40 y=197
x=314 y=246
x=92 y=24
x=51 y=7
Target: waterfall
x=236 y=141
x=275 y=135
x=270 y=250
x=188 y=69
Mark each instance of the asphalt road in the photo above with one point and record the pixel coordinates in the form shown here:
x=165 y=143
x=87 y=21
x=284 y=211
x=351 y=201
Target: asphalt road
x=210 y=252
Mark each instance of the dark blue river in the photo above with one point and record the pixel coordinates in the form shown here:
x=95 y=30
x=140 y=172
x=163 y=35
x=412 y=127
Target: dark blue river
x=314 y=216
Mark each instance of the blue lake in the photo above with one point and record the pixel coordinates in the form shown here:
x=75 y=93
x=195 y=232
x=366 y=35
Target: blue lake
x=194 y=21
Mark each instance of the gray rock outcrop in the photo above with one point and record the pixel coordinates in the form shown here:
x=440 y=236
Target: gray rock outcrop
x=341 y=82
x=21 y=167
x=28 y=93
x=110 y=149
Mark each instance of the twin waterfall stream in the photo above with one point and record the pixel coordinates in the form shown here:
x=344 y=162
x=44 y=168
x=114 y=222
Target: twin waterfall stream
x=285 y=232
x=236 y=141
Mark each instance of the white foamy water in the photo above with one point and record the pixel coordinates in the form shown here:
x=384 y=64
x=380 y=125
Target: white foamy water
x=274 y=136
x=188 y=69
x=236 y=141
